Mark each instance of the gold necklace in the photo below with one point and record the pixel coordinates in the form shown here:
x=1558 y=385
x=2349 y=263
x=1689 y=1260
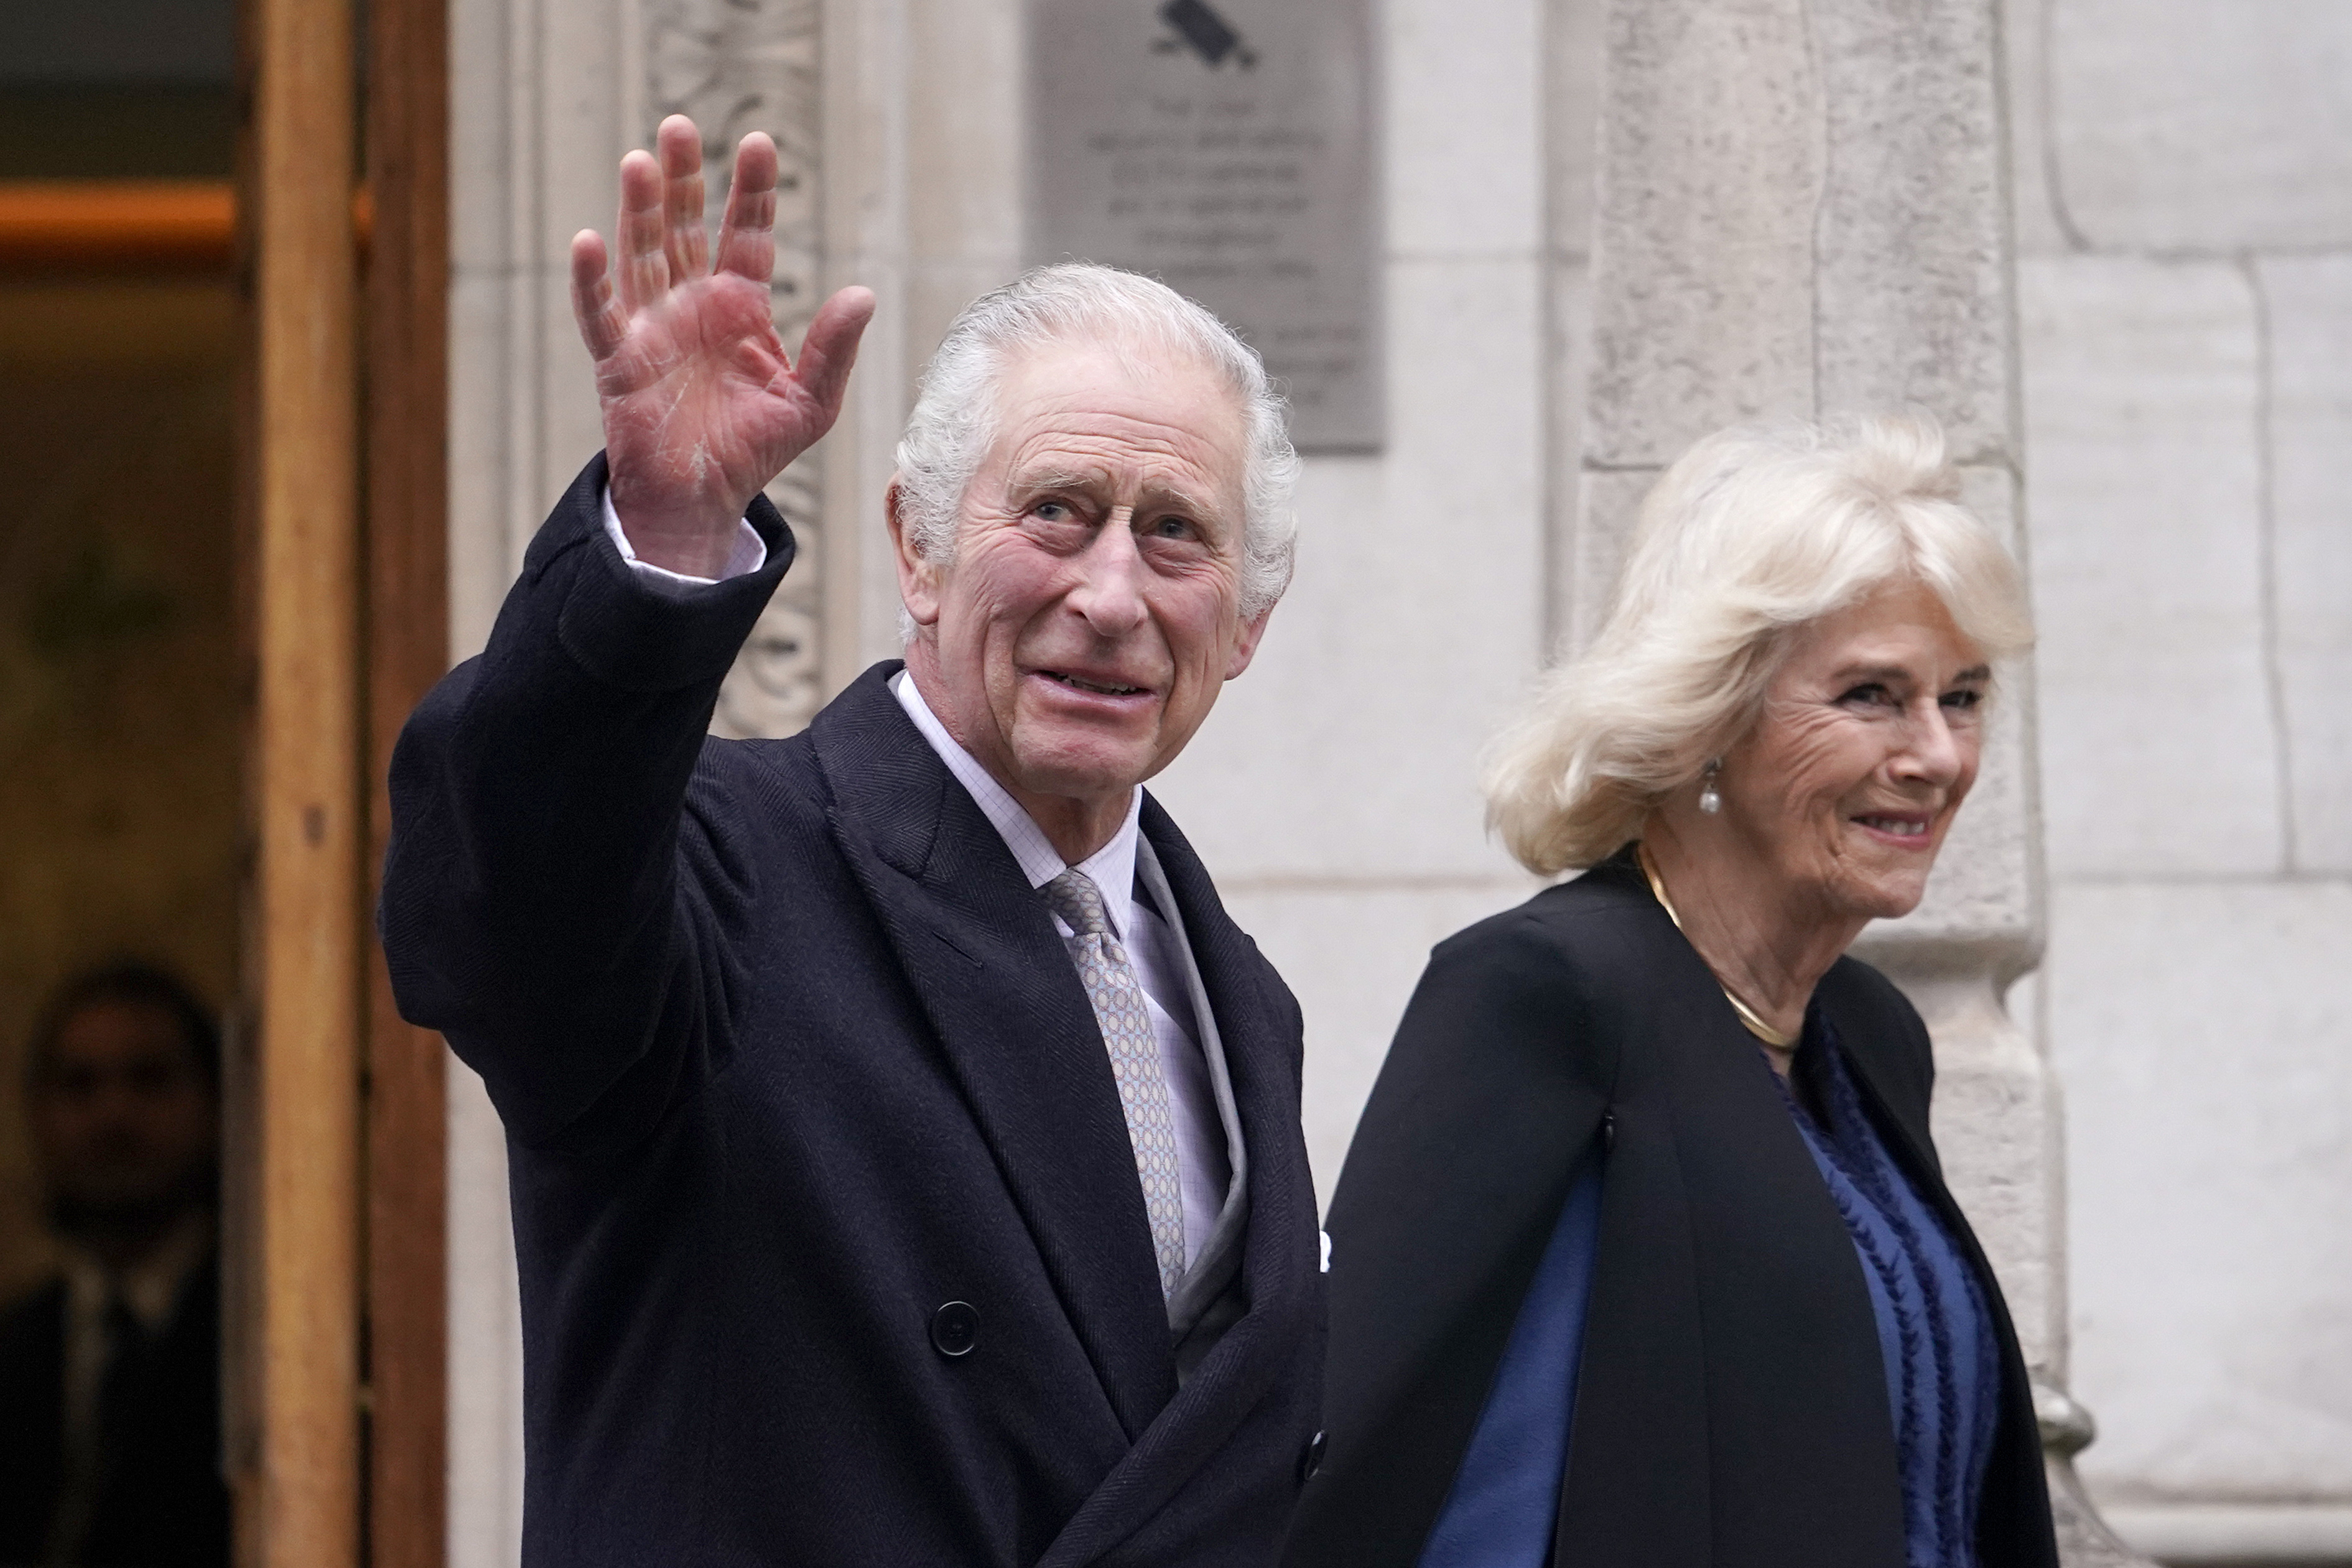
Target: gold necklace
x=1747 y=1015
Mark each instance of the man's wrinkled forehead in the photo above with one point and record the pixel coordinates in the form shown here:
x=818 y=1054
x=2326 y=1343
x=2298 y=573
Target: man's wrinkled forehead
x=1088 y=414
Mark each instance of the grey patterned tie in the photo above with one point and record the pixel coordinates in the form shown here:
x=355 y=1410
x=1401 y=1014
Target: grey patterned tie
x=1127 y=1034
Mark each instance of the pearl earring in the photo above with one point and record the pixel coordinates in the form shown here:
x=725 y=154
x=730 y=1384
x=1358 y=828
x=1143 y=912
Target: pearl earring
x=1710 y=799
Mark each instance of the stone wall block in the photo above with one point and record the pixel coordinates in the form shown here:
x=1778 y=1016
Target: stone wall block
x=2191 y=1021
x=479 y=458
x=483 y=86
x=2142 y=387
x=2262 y=1533
x=1711 y=169
x=2207 y=126
x=1912 y=300
x=1353 y=953
x=2308 y=315
x=1463 y=151
x=545 y=98
x=583 y=99
x=1609 y=508
x=1573 y=30
x=963 y=175
x=2036 y=202
x=516 y=68
x=864 y=594
x=485 y=1458
x=965 y=160
x=1569 y=370
x=569 y=426
x=937 y=290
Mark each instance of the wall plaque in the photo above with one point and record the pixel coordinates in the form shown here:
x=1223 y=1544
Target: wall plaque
x=1224 y=146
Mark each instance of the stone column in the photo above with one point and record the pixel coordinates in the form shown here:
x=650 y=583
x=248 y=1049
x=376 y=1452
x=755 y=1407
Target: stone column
x=1800 y=209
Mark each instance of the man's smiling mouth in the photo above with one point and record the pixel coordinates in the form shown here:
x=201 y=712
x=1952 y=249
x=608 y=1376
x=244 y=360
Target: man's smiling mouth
x=1099 y=688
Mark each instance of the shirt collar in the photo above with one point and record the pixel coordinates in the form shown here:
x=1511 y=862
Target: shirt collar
x=150 y=1287
x=1111 y=868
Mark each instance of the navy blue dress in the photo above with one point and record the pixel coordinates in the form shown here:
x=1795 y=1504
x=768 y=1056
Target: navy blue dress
x=1943 y=1367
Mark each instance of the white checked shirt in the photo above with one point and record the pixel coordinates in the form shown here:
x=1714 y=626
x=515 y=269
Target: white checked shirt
x=1206 y=1169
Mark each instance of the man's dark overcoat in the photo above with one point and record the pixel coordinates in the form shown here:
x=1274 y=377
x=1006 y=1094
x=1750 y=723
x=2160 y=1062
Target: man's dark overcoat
x=1731 y=1409
x=791 y=1058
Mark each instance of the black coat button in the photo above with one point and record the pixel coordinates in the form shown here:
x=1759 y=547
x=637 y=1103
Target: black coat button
x=1311 y=1460
x=955 y=1328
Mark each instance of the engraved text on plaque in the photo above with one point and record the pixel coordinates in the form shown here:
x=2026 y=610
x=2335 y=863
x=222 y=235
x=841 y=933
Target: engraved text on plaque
x=1224 y=146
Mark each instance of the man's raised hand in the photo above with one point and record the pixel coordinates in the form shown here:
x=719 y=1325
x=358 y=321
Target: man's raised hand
x=701 y=407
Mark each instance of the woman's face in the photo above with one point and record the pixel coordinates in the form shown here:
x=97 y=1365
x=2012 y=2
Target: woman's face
x=1869 y=740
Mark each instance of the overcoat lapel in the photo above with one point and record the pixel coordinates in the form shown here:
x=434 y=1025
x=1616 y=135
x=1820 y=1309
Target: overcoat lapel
x=981 y=955
x=1276 y=1248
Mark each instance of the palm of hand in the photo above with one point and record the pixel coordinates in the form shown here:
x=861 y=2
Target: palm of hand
x=699 y=401
x=701 y=407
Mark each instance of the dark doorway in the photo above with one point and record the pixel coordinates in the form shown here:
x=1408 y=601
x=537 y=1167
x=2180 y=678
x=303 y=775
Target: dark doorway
x=121 y=721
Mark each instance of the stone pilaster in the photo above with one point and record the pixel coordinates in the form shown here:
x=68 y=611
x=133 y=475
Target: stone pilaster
x=1800 y=209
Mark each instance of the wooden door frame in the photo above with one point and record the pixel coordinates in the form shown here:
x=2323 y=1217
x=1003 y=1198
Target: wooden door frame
x=407 y=649
x=336 y=1360
x=292 y=1324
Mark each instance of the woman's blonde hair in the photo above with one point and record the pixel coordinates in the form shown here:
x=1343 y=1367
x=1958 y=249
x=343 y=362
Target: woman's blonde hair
x=1752 y=533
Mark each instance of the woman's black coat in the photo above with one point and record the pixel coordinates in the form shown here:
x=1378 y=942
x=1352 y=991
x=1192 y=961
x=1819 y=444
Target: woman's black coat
x=1731 y=1410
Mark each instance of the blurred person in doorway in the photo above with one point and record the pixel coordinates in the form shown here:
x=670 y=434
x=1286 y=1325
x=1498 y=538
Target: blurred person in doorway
x=109 y=1370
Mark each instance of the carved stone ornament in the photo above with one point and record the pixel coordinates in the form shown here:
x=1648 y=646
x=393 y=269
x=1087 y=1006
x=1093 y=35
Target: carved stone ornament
x=737 y=67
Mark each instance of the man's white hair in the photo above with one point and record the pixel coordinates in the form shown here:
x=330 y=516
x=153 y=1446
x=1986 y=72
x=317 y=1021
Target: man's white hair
x=1753 y=534
x=955 y=413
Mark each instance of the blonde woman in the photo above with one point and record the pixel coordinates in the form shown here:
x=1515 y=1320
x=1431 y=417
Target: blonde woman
x=1641 y=1256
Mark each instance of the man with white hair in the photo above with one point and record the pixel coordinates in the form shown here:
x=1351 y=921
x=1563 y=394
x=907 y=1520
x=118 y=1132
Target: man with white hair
x=905 y=1144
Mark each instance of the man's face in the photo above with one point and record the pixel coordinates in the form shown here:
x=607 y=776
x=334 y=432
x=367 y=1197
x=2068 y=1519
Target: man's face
x=125 y=1123
x=1093 y=608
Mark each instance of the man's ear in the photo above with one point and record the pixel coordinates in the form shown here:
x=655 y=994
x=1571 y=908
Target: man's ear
x=1245 y=644
x=919 y=580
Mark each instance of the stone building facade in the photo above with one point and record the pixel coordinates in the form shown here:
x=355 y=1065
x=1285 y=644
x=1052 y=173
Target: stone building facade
x=2157 y=378
x=2183 y=195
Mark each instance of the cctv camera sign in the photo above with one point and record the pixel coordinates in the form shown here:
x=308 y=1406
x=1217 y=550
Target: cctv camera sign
x=1224 y=147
